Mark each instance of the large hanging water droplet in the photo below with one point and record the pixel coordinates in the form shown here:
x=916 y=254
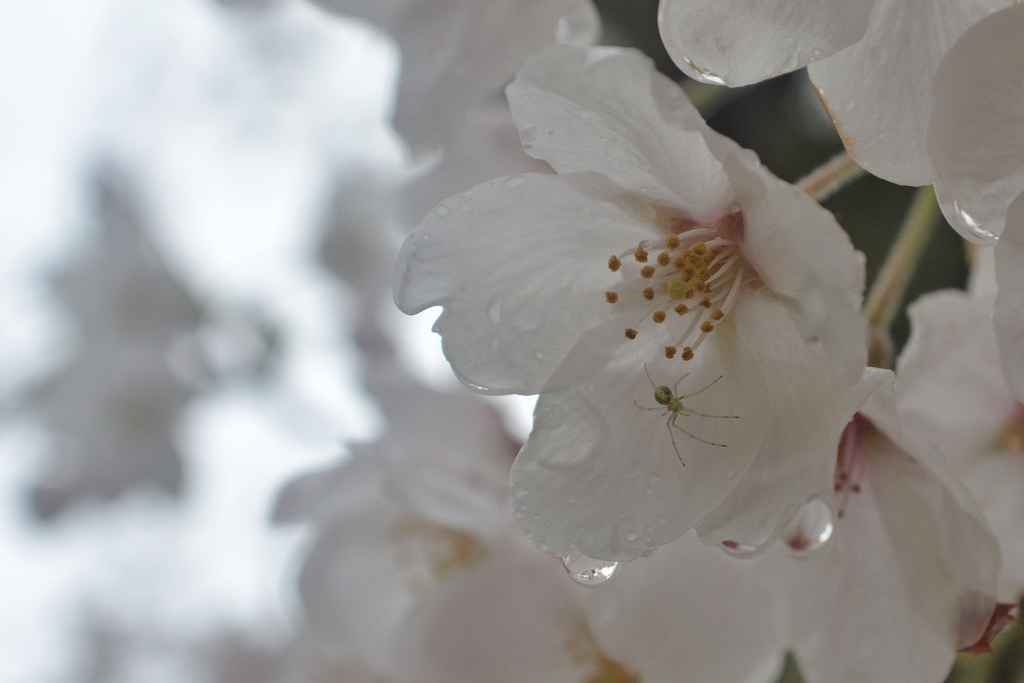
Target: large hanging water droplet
x=580 y=27
x=737 y=549
x=703 y=75
x=973 y=227
x=589 y=571
x=961 y=220
x=810 y=530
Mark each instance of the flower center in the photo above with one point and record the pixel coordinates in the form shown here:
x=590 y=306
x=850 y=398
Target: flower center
x=430 y=553
x=850 y=463
x=1012 y=436
x=689 y=280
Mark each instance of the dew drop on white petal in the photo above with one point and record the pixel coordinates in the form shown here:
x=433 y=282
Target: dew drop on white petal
x=441 y=210
x=514 y=181
x=703 y=75
x=538 y=354
x=631 y=536
x=528 y=134
x=810 y=530
x=973 y=227
x=589 y=571
x=494 y=311
x=740 y=549
x=647 y=552
x=729 y=472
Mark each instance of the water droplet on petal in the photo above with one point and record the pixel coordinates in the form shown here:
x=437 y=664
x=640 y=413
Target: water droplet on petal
x=740 y=549
x=810 y=530
x=528 y=134
x=631 y=536
x=589 y=571
x=494 y=311
x=647 y=552
x=702 y=74
x=441 y=210
x=514 y=181
x=538 y=354
x=729 y=472
x=973 y=227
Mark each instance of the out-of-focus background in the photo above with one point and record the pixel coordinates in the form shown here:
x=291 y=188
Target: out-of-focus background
x=197 y=216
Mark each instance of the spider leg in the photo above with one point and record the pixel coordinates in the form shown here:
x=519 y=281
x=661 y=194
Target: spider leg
x=675 y=389
x=643 y=408
x=704 y=389
x=647 y=372
x=673 y=438
x=691 y=411
x=672 y=423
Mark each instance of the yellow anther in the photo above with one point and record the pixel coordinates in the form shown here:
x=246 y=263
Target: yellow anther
x=682 y=309
x=614 y=263
x=630 y=333
x=611 y=297
x=647 y=272
x=640 y=255
x=689 y=294
x=687 y=353
x=706 y=302
x=676 y=289
x=672 y=242
x=658 y=317
x=700 y=248
x=680 y=263
x=649 y=294
x=706 y=326
x=664 y=259
x=717 y=314
x=670 y=351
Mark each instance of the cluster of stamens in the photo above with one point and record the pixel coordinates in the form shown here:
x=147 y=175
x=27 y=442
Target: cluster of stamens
x=694 y=275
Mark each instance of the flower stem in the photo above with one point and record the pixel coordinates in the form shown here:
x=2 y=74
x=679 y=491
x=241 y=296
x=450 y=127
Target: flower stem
x=832 y=176
x=891 y=284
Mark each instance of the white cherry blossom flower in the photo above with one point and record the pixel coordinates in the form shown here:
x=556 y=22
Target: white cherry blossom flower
x=691 y=322
x=873 y=61
x=907 y=579
x=418 y=570
x=952 y=390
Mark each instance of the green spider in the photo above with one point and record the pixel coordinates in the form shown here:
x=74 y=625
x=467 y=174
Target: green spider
x=673 y=403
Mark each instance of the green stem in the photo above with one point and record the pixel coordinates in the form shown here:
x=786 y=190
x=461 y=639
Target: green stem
x=886 y=294
x=832 y=176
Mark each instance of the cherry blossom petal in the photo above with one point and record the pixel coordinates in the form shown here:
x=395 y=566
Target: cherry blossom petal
x=951 y=384
x=354 y=593
x=799 y=250
x=691 y=614
x=456 y=52
x=737 y=42
x=1009 y=313
x=519 y=265
x=976 y=133
x=809 y=408
x=515 y=620
x=600 y=471
x=879 y=90
x=608 y=110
